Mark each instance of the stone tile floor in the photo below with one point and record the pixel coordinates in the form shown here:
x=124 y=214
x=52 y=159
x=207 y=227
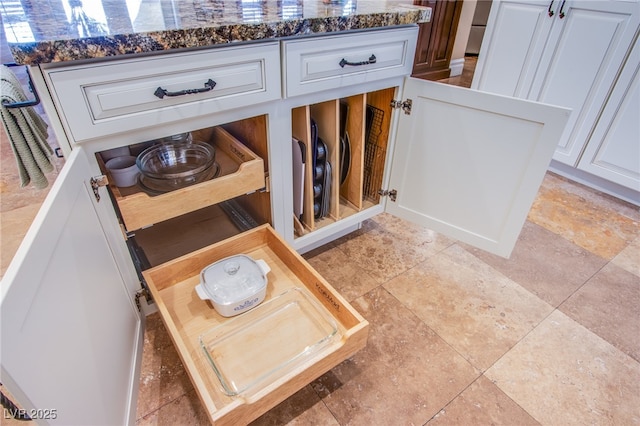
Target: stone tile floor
x=458 y=336
x=461 y=337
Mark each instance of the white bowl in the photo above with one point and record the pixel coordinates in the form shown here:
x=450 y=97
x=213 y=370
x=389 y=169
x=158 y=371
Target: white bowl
x=234 y=285
x=124 y=170
x=122 y=151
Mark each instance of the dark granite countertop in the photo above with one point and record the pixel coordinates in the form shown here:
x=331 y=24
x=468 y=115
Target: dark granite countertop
x=40 y=31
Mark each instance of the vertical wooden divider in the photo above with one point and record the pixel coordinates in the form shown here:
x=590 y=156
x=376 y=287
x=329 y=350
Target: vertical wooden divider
x=351 y=189
x=367 y=157
x=301 y=130
x=380 y=100
x=327 y=117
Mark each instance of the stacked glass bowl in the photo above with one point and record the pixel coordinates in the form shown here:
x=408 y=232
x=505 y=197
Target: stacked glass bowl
x=176 y=162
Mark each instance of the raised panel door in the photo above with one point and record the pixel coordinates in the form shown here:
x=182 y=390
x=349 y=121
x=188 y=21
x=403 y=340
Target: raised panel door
x=469 y=164
x=585 y=51
x=515 y=37
x=613 y=151
x=71 y=335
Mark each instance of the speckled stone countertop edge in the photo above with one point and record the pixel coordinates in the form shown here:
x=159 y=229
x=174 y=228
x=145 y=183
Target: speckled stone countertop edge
x=167 y=40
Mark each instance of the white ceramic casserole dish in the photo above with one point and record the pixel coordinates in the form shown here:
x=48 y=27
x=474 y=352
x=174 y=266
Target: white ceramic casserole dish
x=234 y=284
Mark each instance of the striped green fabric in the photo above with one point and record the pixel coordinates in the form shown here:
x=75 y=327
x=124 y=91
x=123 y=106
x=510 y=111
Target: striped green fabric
x=27 y=133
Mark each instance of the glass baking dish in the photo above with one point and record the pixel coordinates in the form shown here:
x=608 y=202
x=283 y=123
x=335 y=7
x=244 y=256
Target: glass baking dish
x=275 y=337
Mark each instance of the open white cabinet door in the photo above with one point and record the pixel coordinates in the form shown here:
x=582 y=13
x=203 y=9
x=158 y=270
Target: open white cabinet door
x=469 y=164
x=71 y=335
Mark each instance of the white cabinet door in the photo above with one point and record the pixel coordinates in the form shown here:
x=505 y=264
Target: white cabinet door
x=580 y=63
x=613 y=152
x=71 y=335
x=469 y=164
x=517 y=32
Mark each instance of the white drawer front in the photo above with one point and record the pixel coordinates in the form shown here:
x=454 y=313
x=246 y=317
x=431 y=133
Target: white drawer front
x=318 y=64
x=108 y=98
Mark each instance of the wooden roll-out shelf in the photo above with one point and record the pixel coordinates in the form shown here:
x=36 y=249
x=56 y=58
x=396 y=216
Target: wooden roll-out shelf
x=186 y=318
x=241 y=172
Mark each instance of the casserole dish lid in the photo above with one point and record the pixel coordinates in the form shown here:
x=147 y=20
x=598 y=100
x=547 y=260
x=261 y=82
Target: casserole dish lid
x=234 y=278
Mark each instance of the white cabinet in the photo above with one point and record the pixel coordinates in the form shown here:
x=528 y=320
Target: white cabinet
x=613 y=151
x=71 y=334
x=466 y=163
x=109 y=98
x=564 y=53
x=327 y=63
x=441 y=163
x=578 y=68
x=454 y=173
x=515 y=37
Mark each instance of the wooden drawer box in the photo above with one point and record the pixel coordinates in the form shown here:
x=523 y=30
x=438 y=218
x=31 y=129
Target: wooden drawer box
x=317 y=64
x=186 y=317
x=241 y=172
x=101 y=99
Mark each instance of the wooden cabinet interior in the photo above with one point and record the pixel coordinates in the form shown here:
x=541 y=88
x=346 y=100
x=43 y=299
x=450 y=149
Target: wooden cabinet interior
x=170 y=225
x=367 y=125
x=188 y=233
x=253 y=134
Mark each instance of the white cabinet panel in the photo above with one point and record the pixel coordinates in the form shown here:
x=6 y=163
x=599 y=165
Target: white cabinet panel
x=567 y=53
x=66 y=306
x=315 y=64
x=511 y=50
x=109 y=98
x=579 y=67
x=469 y=164
x=613 y=152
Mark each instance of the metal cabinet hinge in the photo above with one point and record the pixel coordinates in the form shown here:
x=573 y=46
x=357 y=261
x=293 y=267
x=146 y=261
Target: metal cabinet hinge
x=392 y=194
x=406 y=105
x=143 y=292
x=97 y=182
x=267 y=183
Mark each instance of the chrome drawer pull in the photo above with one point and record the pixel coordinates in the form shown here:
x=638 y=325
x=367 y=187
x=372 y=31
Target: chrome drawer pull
x=372 y=60
x=161 y=93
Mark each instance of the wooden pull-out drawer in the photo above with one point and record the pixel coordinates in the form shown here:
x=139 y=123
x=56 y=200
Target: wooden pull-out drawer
x=241 y=172
x=187 y=318
x=313 y=65
x=108 y=98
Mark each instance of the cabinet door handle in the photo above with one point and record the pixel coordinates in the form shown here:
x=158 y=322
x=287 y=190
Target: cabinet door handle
x=549 y=10
x=561 y=14
x=372 y=60
x=161 y=93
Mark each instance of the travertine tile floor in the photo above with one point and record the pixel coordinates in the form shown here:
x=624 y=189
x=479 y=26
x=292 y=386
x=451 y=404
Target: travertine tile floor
x=458 y=336
x=461 y=337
